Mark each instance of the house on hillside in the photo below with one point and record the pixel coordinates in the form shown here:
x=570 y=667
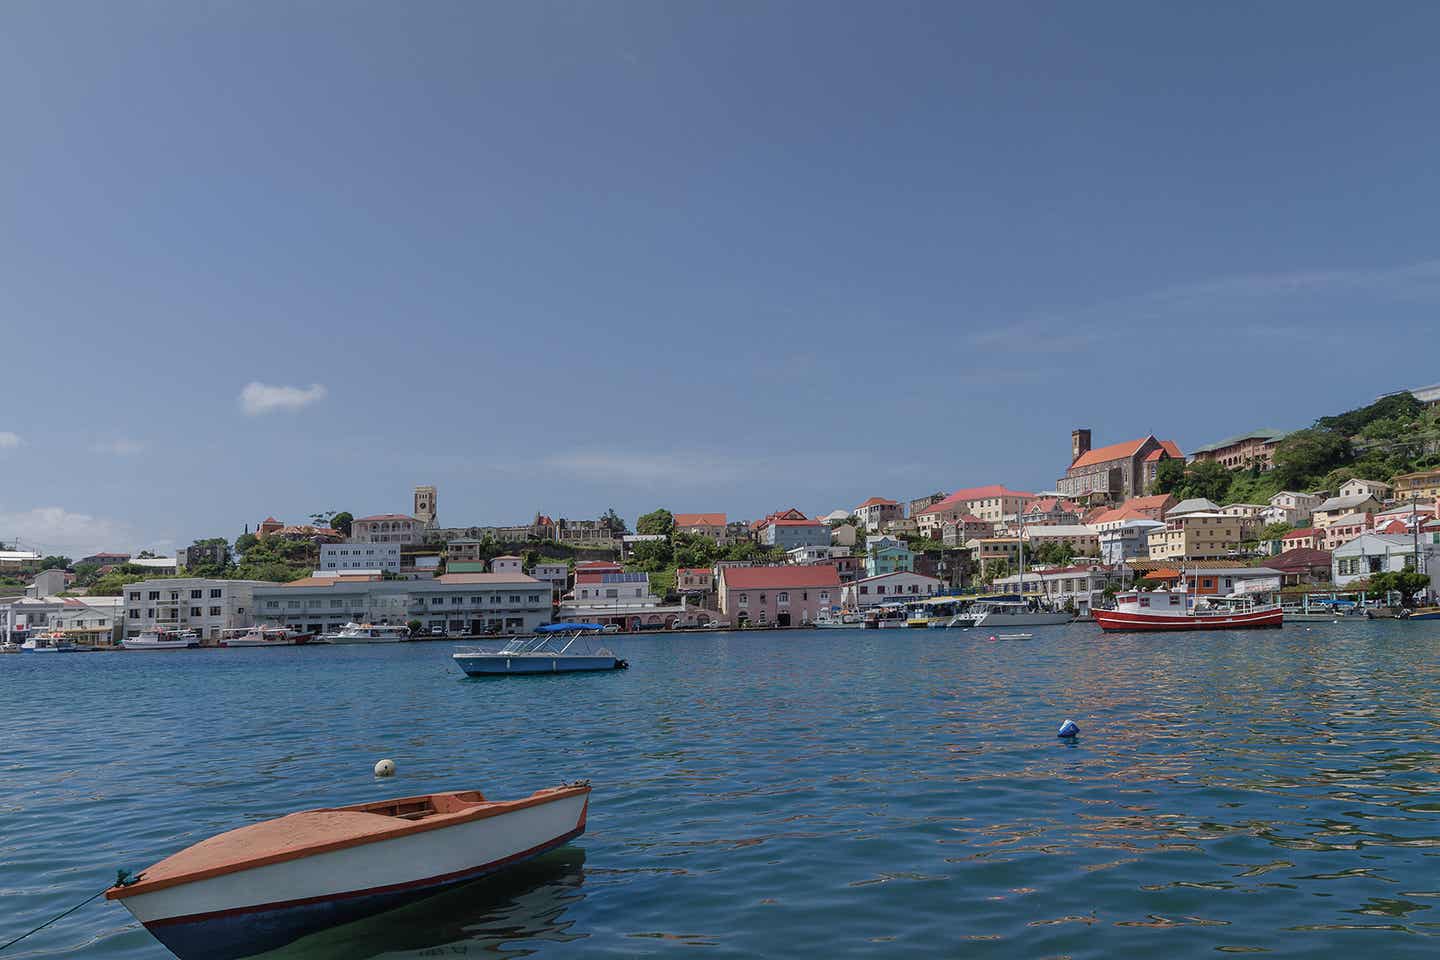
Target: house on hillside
x=1357 y=487
x=1253 y=449
x=877 y=513
x=710 y=525
x=992 y=503
x=1336 y=507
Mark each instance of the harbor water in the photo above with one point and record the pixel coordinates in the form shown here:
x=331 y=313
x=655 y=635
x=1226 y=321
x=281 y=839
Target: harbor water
x=829 y=793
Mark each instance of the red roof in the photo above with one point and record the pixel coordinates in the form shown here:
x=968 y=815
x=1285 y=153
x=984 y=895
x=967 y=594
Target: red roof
x=1394 y=526
x=779 y=578
x=990 y=492
x=877 y=502
x=594 y=564
x=1120 y=451
x=683 y=520
x=1050 y=504
x=1301 y=558
x=695 y=571
x=1298 y=534
x=386 y=516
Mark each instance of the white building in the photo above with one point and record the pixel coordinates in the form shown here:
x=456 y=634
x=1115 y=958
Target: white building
x=18 y=559
x=1079 y=586
x=1357 y=487
x=555 y=574
x=353 y=555
x=1081 y=538
x=812 y=554
x=206 y=606
x=900 y=585
x=1291 y=507
x=386 y=528
x=459 y=603
x=1127 y=540
x=1382 y=553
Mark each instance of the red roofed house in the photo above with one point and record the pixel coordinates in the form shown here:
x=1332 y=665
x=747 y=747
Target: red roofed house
x=1306 y=538
x=790 y=529
x=991 y=503
x=694 y=580
x=1136 y=508
x=783 y=596
x=1301 y=566
x=1118 y=471
x=385 y=528
x=710 y=525
x=877 y=513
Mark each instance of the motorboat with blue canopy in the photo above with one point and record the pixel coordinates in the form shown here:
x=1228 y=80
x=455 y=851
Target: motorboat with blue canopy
x=555 y=648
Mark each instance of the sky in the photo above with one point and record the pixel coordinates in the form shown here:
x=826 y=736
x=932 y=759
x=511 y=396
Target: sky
x=277 y=258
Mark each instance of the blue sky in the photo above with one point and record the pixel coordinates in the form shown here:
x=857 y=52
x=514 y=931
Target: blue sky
x=734 y=257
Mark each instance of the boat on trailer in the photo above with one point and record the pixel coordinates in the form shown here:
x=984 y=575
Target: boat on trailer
x=555 y=648
x=1171 y=610
x=266 y=885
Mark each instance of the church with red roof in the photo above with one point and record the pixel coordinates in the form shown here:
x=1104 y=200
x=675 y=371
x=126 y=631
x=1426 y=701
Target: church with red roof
x=1117 y=471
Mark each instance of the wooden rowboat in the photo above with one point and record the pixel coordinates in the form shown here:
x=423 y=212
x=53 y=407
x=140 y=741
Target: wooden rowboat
x=268 y=884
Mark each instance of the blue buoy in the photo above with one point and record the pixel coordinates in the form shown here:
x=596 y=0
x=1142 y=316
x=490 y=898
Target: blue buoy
x=1069 y=729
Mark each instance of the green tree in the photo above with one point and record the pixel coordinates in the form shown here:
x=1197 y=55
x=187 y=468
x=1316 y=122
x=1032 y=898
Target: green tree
x=612 y=520
x=55 y=563
x=694 y=550
x=86 y=574
x=659 y=522
x=1207 y=479
x=1169 y=474
x=997 y=570
x=1305 y=456
x=1274 y=531
x=652 y=556
x=245 y=542
x=342 y=522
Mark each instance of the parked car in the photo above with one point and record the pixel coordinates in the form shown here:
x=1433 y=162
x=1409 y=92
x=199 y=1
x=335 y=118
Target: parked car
x=437 y=631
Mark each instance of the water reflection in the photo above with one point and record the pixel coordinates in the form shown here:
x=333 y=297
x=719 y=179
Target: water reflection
x=512 y=914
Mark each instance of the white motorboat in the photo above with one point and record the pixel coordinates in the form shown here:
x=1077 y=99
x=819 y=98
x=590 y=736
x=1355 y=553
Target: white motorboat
x=1014 y=612
x=368 y=633
x=886 y=616
x=162 y=639
x=555 y=648
x=264 y=637
x=260 y=887
x=843 y=620
x=9 y=646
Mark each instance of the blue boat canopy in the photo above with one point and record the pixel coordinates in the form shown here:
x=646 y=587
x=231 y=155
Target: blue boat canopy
x=568 y=627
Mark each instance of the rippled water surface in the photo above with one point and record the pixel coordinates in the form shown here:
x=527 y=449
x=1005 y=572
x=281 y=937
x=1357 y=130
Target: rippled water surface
x=839 y=793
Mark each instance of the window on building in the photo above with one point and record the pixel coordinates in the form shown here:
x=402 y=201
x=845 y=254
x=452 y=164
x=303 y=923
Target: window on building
x=134 y=614
x=196 y=594
x=214 y=611
x=215 y=593
x=135 y=596
x=154 y=595
x=194 y=611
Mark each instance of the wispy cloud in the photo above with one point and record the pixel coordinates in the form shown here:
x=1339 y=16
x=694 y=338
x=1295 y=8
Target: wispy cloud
x=8 y=440
x=117 y=447
x=653 y=469
x=57 y=530
x=259 y=398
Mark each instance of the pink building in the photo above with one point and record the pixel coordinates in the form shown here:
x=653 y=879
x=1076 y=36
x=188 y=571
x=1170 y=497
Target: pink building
x=1306 y=538
x=782 y=596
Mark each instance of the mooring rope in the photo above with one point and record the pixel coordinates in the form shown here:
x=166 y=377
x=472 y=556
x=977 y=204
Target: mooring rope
x=123 y=878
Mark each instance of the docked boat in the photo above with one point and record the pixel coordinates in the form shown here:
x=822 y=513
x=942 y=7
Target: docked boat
x=1011 y=612
x=1425 y=613
x=161 y=639
x=48 y=643
x=555 y=648
x=368 y=633
x=9 y=646
x=1169 y=610
x=843 y=620
x=258 y=636
x=886 y=616
x=260 y=887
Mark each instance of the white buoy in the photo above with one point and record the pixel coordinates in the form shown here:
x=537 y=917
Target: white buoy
x=385 y=768
x=1069 y=729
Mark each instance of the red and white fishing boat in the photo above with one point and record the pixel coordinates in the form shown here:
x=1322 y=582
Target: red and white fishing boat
x=266 y=885
x=1156 y=610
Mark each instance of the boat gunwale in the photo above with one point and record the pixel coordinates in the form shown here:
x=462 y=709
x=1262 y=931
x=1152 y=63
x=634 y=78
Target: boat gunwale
x=403 y=828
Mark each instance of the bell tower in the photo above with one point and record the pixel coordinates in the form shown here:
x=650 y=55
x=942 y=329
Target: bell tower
x=425 y=508
x=1079 y=443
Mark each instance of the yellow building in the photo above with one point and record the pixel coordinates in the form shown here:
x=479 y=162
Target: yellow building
x=1421 y=485
x=1196 y=536
x=987 y=551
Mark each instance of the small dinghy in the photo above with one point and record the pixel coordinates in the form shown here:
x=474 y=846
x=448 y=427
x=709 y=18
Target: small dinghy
x=1014 y=636
x=266 y=885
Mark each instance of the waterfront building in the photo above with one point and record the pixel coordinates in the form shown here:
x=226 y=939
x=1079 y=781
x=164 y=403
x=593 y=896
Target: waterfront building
x=897 y=585
x=885 y=558
x=1358 y=487
x=1342 y=530
x=1078 y=587
x=1201 y=535
x=790 y=532
x=360 y=556
x=600 y=588
x=1126 y=539
x=1052 y=511
x=458 y=603
x=1243 y=451
x=557 y=574
x=1372 y=553
x=207 y=606
x=385 y=528
x=1117 y=471
x=1302 y=566
x=1082 y=540
x=1420 y=485
x=711 y=525
x=780 y=595
x=877 y=513
x=1336 y=507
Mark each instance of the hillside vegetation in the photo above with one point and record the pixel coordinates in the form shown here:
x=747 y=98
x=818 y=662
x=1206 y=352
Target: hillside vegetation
x=1391 y=436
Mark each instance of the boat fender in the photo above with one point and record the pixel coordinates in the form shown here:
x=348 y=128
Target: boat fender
x=1068 y=730
x=385 y=768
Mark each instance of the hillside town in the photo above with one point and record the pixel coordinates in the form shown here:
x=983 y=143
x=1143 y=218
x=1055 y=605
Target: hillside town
x=1350 y=504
